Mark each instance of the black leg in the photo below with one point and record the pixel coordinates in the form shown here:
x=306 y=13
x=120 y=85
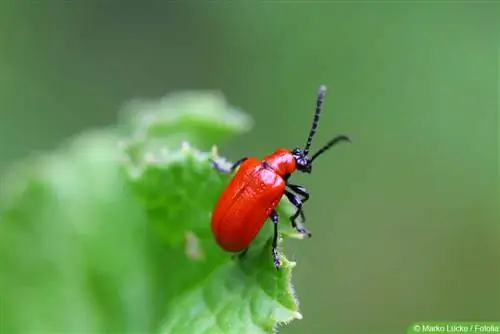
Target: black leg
x=228 y=170
x=302 y=216
x=301 y=191
x=298 y=203
x=275 y=219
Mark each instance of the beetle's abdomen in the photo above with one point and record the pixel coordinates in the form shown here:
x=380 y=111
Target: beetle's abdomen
x=245 y=205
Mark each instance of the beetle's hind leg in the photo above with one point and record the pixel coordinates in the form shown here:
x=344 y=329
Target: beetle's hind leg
x=298 y=203
x=229 y=170
x=275 y=219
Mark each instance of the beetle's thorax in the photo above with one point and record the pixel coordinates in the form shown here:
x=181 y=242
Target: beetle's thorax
x=281 y=161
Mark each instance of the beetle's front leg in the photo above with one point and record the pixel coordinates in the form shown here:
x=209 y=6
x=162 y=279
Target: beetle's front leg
x=225 y=170
x=298 y=203
x=301 y=191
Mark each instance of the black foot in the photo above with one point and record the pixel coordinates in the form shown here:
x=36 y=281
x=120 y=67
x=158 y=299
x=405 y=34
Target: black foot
x=303 y=231
x=276 y=259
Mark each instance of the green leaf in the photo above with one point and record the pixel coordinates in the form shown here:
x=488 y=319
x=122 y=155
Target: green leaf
x=71 y=243
x=209 y=292
x=202 y=118
x=111 y=233
x=234 y=298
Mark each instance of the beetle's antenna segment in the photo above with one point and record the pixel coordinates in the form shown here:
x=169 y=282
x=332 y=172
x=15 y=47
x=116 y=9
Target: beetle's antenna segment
x=332 y=142
x=319 y=104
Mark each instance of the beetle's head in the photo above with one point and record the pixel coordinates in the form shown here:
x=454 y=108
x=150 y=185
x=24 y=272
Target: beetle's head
x=302 y=160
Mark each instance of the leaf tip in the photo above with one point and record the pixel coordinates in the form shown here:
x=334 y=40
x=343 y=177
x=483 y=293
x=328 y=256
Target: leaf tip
x=149 y=157
x=214 y=151
x=193 y=248
x=185 y=147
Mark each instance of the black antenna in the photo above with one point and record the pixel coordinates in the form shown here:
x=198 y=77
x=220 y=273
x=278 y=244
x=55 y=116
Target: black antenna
x=319 y=103
x=332 y=142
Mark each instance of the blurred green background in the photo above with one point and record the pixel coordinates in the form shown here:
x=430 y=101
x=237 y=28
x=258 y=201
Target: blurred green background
x=404 y=220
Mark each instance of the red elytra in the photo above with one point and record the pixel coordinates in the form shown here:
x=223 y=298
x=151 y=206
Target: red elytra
x=256 y=189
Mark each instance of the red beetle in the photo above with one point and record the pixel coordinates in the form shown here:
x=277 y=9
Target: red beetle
x=256 y=189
